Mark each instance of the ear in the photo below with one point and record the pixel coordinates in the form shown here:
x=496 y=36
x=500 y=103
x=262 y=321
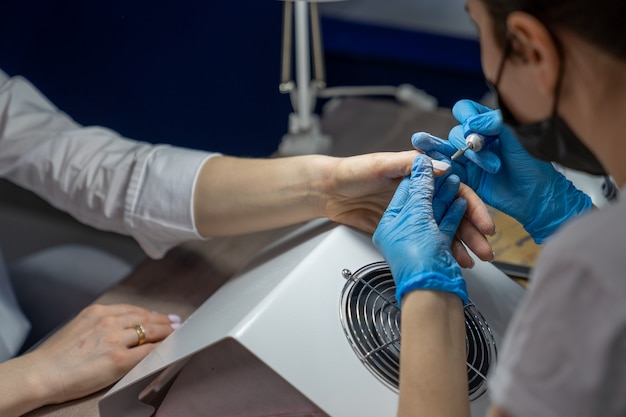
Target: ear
x=535 y=46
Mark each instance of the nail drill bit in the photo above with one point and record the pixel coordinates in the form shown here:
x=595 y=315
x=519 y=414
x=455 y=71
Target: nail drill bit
x=475 y=142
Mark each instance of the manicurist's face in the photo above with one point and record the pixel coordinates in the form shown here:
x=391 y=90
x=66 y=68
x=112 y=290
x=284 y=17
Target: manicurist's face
x=517 y=82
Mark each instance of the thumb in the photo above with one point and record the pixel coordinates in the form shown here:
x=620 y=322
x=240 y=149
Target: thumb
x=488 y=123
x=464 y=109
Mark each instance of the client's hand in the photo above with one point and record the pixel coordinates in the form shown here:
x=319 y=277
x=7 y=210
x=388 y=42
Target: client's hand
x=362 y=186
x=91 y=352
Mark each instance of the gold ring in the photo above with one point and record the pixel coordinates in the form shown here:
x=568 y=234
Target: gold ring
x=141 y=334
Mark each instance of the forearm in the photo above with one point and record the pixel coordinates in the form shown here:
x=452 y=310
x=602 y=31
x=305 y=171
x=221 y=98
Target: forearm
x=433 y=375
x=238 y=195
x=21 y=386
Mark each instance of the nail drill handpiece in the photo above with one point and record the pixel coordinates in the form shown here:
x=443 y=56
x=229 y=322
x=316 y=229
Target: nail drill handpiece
x=475 y=142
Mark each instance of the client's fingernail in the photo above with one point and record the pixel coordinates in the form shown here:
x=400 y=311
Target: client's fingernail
x=174 y=325
x=440 y=165
x=174 y=318
x=493 y=256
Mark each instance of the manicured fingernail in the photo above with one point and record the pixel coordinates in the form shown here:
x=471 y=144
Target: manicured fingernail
x=175 y=325
x=493 y=256
x=174 y=318
x=440 y=165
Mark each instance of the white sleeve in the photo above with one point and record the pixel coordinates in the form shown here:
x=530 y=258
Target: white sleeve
x=94 y=174
x=564 y=350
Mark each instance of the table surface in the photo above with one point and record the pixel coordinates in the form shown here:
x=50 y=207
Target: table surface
x=190 y=273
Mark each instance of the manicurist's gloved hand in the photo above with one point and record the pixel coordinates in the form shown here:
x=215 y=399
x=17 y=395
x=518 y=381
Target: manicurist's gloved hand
x=504 y=175
x=416 y=248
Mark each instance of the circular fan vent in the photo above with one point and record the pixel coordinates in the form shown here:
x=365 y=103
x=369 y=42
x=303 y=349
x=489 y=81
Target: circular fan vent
x=371 y=320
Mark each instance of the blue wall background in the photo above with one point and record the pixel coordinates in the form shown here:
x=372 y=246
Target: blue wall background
x=202 y=74
x=205 y=74
x=447 y=67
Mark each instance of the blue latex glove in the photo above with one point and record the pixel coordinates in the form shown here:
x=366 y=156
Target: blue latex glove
x=416 y=248
x=504 y=175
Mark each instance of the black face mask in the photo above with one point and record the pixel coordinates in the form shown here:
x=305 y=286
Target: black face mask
x=549 y=140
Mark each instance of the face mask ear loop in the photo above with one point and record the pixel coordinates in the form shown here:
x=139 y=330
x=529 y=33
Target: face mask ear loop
x=508 y=47
x=559 y=83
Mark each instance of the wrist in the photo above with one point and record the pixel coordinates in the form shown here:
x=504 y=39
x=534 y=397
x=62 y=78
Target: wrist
x=321 y=171
x=38 y=378
x=547 y=222
x=434 y=281
x=24 y=384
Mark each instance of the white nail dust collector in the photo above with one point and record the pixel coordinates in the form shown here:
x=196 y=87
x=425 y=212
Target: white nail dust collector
x=310 y=328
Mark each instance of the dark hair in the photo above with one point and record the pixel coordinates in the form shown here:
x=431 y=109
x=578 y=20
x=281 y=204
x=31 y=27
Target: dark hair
x=600 y=22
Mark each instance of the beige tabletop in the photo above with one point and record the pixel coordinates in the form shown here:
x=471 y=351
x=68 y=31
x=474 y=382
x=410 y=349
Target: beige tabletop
x=189 y=274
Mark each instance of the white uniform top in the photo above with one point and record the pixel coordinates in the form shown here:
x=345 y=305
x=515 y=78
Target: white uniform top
x=565 y=350
x=104 y=180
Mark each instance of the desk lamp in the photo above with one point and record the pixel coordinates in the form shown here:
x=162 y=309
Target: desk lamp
x=304 y=134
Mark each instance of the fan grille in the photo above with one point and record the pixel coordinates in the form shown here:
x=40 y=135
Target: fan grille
x=371 y=320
